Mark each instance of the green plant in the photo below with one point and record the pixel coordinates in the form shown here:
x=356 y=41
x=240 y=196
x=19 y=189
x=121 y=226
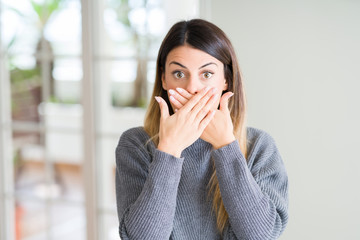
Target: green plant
x=26 y=84
x=44 y=10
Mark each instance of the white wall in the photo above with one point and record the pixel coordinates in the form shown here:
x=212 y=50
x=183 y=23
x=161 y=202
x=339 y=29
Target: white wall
x=301 y=63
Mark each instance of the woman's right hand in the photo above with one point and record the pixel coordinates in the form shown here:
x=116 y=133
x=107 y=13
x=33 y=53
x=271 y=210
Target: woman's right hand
x=184 y=127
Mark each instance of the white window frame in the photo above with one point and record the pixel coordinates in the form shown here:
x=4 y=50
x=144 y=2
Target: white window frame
x=89 y=23
x=7 y=203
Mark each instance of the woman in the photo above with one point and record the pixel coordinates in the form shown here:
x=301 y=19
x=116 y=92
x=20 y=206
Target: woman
x=195 y=171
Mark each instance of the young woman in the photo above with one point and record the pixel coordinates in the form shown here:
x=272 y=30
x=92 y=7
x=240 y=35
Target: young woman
x=195 y=171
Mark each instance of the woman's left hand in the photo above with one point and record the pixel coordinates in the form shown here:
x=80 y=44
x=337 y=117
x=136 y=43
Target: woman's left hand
x=219 y=132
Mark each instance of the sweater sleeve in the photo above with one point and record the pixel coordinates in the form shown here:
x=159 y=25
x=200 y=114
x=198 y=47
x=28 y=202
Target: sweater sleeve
x=257 y=200
x=146 y=190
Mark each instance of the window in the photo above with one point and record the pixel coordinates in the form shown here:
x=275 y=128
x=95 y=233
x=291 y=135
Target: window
x=43 y=69
x=73 y=76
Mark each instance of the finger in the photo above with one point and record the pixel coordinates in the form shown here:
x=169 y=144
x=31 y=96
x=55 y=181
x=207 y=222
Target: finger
x=175 y=102
x=203 y=124
x=184 y=93
x=204 y=110
x=164 y=109
x=179 y=99
x=203 y=106
x=224 y=101
x=194 y=100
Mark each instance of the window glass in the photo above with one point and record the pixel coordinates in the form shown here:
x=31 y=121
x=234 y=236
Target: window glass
x=133 y=32
x=31 y=219
x=42 y=40
x=43 y=45
x=67 y=222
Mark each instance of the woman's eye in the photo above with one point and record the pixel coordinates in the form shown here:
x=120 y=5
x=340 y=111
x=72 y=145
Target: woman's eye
x=179 y=75
x=207 y=75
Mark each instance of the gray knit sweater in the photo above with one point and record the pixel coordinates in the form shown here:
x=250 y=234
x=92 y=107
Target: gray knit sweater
x=160 y=196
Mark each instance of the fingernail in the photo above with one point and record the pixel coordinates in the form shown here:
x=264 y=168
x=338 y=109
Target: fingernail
x=175 y=110
x=232 y=94
x=214 y=90
x=180 y=90
x=157 y=99
x=216 y=96
x=207 y=88
x=172 y=98
x=172 y=92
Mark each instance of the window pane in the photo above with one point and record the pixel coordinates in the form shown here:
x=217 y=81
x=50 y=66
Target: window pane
x=18 y=24
x=67 y=222
x=67 y=74
x=30 y=172
x=133 y=31
x=26 y=91
x=122 y=75
x=31 y=219
x=43 y=44
x=117 y=36
x=63 y=29
x=64 y=144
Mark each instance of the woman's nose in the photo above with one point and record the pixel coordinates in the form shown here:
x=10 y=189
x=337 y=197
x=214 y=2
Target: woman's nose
x=194 y=85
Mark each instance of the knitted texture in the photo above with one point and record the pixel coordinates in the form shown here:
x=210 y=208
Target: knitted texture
x=160 y=196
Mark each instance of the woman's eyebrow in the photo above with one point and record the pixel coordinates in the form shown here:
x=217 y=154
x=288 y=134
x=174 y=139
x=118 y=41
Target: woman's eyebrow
x=207 y=64
x=176 y=63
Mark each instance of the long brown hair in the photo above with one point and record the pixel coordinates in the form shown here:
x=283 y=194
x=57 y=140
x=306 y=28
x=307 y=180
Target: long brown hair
x=205 y=36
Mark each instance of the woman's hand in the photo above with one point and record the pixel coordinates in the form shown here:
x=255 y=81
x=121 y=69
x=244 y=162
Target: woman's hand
x=219 y=132
x=183 y=128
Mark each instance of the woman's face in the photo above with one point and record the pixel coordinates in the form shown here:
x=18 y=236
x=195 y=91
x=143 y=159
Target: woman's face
x=192 y=69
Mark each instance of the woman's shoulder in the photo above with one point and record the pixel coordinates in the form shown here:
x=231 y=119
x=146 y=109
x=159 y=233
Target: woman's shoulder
x=256 y=135
x=134 y=137
x=135 y=141
x=135 y=131
x=260 y=145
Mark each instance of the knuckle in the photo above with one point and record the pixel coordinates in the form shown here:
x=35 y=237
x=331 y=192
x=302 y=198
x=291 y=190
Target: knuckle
x=194 y=100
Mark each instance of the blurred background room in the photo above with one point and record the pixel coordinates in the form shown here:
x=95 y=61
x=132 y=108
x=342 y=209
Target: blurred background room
x=74 y=74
